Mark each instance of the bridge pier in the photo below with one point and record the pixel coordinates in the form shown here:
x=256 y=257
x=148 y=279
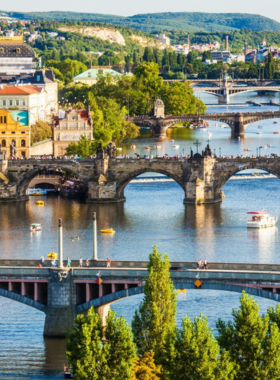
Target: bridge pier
x=223 y=98
x=200 y=186
x=60 y=311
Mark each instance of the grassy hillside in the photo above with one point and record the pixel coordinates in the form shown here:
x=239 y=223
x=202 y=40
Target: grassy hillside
x=186 y=21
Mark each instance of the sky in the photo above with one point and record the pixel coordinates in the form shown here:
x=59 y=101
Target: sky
x=132 y=7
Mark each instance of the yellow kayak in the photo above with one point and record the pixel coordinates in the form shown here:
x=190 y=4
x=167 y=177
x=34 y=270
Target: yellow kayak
x=108 y=231
x=52 y=255
x=37 y=194
x=40 y=203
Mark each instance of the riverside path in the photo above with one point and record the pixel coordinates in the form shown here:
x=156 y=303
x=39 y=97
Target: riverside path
x=62 y=293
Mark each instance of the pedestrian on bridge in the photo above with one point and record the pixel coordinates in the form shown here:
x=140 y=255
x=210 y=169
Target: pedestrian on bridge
x=87 y=262
x=199 y=264
x=205 y=264
x=80 y=262
x=108 y=262
x=68 y=262
x=42 y=260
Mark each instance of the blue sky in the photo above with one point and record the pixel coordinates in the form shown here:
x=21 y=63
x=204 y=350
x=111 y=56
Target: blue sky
x=130 y=7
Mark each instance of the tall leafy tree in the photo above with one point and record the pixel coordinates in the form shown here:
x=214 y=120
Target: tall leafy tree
x=195 y=353
x=155 y=318
x=269 y=68
x=97 y=354
x=253 y=345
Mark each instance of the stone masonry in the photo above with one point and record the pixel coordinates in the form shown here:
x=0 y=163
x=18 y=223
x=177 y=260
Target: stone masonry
x=201 y=179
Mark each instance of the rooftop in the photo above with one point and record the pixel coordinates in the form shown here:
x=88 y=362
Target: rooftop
x=93 y=73
x=16 y=50
x=19 y=90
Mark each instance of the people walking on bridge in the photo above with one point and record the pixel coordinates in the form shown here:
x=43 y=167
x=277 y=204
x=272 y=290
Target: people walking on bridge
x=42 y=260
x=108 y=262
x=80 y=262
x=199 y=264
x=87 y=262
x=68 y=262
x=205 y=264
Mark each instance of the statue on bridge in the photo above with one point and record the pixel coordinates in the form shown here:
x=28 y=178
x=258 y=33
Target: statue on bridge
x=13 y=151
x=111 y=149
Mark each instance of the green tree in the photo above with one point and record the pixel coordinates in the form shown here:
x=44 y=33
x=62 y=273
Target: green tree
x=195 y=354
x=253 y=345
x=155 y=318
x=40 y=131
x=92 y=357
x=269 y=68
x=179 y=99
x=84 y=148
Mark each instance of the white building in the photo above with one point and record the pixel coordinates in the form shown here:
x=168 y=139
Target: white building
x=163 y=38
x=52 y=34
x=28 y=98
x=181 y=49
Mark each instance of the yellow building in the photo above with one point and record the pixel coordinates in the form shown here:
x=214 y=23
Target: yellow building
x=14 y=128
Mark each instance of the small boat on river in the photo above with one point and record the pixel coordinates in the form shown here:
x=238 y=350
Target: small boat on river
x=67 y=372
x=34 y=227
x=133 y=147
x=40 y=203
x=276 y=133
x=260 y=219
x=108 y=231
x=35 y=191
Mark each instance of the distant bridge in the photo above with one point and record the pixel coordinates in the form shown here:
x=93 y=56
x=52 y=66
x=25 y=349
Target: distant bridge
x=237 y=121
x=63 y=293
x=225 y=89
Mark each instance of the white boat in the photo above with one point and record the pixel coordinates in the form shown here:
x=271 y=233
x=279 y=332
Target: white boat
x=260 y=219
x=35 y=191
x=34 y=227
x=175 y=146
x=259 y=133
x=209 y=134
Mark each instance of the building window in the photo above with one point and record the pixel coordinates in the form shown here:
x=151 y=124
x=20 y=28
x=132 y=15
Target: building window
x=18 y=50
x=38 y=78
x=74 y=117
x=14 y=142
x=5 y=119
x=4 y=102
x=10 y=102
x=1 y=119
x=17 y=102
x=89 y=75
x=2 y=50
x=22 y=154
x=3 y=143
x=23 y=102
x=100 y=71
x=22 y=143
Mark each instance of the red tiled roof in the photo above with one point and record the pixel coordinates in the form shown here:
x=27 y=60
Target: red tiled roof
x=19 y=90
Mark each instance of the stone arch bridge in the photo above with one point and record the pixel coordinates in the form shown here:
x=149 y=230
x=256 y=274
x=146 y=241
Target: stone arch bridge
x=105 y=179
x=237 y=121
x=63 y=293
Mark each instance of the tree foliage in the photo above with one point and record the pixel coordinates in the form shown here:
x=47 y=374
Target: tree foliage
x=145 y=368
x=194 y=353
x=253 y=345
x=40 y=131
x=155 y=317
x=96 y=354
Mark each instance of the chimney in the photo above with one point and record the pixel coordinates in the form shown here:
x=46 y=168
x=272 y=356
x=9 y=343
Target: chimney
x=226 y=47
x=245 y=47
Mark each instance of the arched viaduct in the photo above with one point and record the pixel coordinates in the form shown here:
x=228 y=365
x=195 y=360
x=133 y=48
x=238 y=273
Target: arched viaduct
x=237 y=121
x=201 y=179
x=62 y=293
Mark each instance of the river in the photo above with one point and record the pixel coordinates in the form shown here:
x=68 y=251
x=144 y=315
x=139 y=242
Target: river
x=153 y=214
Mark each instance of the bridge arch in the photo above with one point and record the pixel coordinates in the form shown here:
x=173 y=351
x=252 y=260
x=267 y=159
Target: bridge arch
x=25 y=181
x=22 y=299
x=125 y=181
x=209 y=285
x=241 y=167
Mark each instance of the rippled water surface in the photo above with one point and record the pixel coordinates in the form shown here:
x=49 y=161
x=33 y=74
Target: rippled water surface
x=153 y=214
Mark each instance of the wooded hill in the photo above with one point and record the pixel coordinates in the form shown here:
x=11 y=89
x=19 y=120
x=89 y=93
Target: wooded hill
x=187 y=21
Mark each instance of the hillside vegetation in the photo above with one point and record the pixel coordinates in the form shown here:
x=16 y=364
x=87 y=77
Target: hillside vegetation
x=189 y=21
